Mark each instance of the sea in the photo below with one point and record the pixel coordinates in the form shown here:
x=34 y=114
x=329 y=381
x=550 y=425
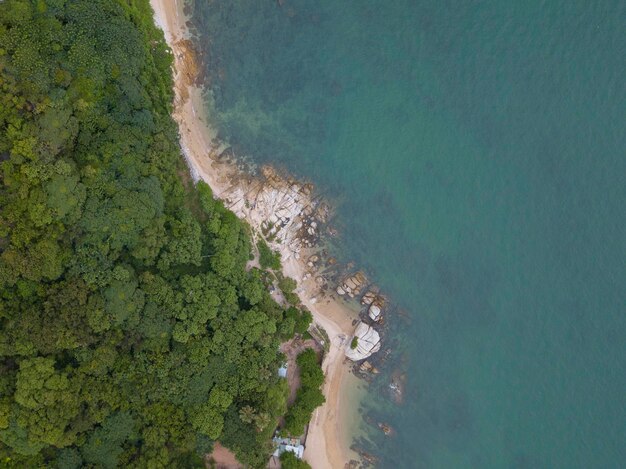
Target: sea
x=475 y=152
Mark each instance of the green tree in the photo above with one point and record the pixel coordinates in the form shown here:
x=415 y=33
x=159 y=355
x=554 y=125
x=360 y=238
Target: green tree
x=104 y=446
x=46 y=403
x=288 y=460
x=132 y=334
x=308 y=396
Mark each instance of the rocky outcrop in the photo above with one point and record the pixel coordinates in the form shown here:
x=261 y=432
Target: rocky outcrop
x=280 y=208
x=367 y=343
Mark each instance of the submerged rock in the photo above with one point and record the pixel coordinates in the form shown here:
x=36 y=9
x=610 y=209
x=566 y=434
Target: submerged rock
x=386 y=428
x=367 y=343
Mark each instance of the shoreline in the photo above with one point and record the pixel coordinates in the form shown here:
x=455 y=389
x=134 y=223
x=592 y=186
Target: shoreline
x=257 y=200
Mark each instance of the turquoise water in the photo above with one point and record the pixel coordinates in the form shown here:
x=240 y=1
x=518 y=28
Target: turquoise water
x=476 y=151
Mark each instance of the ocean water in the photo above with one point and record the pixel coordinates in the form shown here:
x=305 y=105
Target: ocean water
x=476 y=152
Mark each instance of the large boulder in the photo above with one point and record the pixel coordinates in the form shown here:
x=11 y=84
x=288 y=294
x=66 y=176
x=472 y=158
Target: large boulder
x=374 y=312
x=367 y=343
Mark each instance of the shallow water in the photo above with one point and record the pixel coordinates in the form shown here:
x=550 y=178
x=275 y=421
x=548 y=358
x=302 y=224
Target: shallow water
x=476 y=155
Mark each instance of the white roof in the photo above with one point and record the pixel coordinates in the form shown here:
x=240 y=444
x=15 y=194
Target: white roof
x=297 y=450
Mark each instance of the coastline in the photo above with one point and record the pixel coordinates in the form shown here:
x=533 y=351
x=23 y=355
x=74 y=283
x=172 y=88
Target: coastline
x=257 y=200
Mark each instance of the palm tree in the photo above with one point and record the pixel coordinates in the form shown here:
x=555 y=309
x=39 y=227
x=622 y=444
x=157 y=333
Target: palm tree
x=247 y=414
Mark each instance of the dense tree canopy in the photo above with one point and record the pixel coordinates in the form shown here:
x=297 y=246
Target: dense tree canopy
x=131 y=333
x=308 y=396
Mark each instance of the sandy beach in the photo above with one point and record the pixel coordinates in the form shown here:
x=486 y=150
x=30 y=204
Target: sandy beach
x=327 y=444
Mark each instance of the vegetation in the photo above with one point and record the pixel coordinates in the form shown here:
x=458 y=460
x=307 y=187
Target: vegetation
x=268 y=259
x=355 y=343
x=288 y=460
x=301 y=319
x=318 y=333
x=287 y=285
x=308 y=396
x=131 y=333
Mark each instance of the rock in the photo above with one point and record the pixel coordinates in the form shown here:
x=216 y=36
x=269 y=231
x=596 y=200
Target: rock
x=354 y=283
x=368 y=298
x=374 y=313
x=366 y=367
x=340 y=291
x=368 y=342
x=387 y=430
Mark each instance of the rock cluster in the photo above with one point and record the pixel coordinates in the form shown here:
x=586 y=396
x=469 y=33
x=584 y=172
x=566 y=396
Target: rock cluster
x=376 y=303
x=287 y=215
x=367 y=343
x=352 y=285
x=313 y=260
x=367 y=367
x=280 y=208
x=369 y=298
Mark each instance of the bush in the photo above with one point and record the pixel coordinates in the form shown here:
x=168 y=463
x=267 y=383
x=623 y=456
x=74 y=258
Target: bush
x=355 y=343
x=267 y=258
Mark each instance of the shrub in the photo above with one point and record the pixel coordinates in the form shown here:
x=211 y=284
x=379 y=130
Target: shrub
x=267 y=258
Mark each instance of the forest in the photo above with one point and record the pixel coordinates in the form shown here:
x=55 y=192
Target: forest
x=131 y=333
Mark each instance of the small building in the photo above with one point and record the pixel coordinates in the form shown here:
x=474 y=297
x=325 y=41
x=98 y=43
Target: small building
x=292 y=445
x=282 y=371
x=297 y=450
